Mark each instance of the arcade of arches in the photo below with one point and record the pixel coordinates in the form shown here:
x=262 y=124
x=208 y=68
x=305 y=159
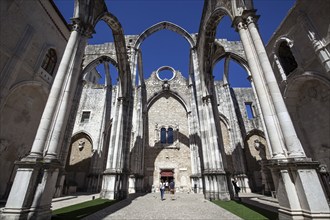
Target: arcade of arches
x=68 y=132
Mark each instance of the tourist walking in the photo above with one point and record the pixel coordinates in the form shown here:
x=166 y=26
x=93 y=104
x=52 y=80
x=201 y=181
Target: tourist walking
x=162 y=189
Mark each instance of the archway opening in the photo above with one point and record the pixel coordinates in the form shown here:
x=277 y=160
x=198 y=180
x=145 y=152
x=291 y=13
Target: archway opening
x=226 y=31
x=165 y=48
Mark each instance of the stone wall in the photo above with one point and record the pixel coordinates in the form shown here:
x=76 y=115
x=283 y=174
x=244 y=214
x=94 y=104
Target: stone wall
x=28 y=30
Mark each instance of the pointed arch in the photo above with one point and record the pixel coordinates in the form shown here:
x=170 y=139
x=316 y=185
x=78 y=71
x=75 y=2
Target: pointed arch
x=82 y=133
x=99 y=60
x=254 y=132
x=225 y=120
x=164 y=25
x=158 y=95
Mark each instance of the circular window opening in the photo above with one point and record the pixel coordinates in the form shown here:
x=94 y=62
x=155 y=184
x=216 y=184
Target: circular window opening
x=165 y=75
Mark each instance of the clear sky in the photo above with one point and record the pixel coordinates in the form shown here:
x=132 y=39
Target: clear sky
x=166 y=48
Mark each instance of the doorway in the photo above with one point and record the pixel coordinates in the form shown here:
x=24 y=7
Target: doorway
x=167 y=176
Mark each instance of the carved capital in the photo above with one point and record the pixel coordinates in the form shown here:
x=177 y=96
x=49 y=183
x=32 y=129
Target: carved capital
x=250 y=16
x=84 y=29
x=238 y=23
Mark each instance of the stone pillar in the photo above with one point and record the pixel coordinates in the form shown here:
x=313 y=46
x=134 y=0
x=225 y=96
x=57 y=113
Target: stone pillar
x=299 y=191
x=115 y=176
x=54 y=96
x=236 y=140
x=266 y=104
x=35 y=180
x=214 y=177
x=194 y=142
x=292 y=143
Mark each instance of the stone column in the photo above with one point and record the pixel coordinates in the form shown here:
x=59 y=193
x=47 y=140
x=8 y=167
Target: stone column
x=99 y=156
x=198 y=86
x=205 y=157
x=34 y=183
x=194 y=138
x=296 y=179
x=236 y=140
x=114 y=178
x=55 y=94
x=212 y=168
x=265 y=101
x=63 y=108
x=291 y=140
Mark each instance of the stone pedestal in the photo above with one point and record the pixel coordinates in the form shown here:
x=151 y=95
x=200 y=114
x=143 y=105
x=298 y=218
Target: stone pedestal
x=243 y=183
x=32 y=191
x=114 y=185
x=59 y=184
x=131 y=184
x=196 y=183
x=299 y=191
x=109 y=183
x=139 y=183
x=216 y=187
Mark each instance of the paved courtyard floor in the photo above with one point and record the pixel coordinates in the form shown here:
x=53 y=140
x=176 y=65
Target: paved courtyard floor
x=150 y=206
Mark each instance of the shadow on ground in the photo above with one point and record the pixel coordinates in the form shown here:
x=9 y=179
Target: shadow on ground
x=81 y=210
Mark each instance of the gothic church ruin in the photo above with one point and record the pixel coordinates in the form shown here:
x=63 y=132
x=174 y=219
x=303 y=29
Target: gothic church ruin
x=62 y=131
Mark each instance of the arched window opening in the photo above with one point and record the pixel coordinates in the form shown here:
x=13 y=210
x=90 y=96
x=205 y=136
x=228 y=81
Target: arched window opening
x=49 y=62
x=234 y=73
x=170 y=136
x=163 y=135
x=286 y=58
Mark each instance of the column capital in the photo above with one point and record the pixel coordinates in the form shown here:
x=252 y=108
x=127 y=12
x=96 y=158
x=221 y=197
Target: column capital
x=250 y=15
x=85 y=29
x=238 y=23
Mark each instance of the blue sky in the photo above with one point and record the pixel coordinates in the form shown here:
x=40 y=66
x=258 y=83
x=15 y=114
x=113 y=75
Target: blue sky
x=166 y=48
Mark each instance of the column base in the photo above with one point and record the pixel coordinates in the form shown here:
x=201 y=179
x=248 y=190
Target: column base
x=285 y=214
x=243 y=183
x=216 y=187
x=131 y=184
x=114 y=185
x=32 y=191
x=109 y=190
x=299 y=191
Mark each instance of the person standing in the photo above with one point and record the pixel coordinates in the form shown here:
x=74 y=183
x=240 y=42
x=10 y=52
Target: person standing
x=162 y=189
x=236 y=187
x=172 y=189
x=166 y=186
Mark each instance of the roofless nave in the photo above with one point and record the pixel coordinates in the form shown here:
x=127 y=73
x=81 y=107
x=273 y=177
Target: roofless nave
x=123 y=138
